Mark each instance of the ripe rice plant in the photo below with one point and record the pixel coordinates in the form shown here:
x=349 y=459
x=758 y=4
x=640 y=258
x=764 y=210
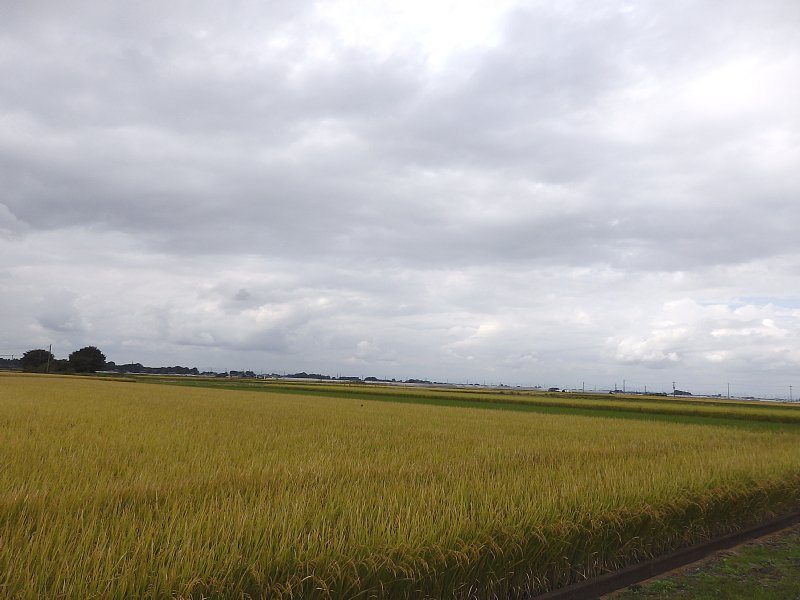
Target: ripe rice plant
x=711 y=408
x=110 y=488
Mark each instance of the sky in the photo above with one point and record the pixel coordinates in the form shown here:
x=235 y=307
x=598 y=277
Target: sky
x=529 y=193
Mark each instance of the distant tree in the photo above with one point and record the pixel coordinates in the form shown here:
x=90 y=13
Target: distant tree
x=87 y=360
x=61 y=365
x=36 y=360
x=10 y=363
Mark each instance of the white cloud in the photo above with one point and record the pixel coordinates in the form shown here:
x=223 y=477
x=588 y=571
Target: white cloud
x=729 y=336
x=525 y=192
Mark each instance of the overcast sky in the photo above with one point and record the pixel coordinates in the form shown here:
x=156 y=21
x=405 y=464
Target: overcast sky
x=535 y=193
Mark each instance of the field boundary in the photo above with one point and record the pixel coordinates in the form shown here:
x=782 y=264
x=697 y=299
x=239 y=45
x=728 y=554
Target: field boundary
x=594 y=588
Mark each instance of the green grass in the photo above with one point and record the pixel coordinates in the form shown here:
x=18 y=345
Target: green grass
x=113 y=488
x=767 y=569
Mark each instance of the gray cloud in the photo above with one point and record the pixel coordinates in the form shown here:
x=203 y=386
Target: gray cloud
x=300 y=185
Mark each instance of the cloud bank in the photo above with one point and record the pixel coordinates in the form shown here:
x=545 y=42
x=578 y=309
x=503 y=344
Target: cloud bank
x=503 y=192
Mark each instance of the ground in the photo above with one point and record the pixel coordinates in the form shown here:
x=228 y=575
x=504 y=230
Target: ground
x=765 y=569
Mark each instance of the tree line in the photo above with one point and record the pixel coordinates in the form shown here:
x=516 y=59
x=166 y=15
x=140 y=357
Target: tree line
x=86 y=360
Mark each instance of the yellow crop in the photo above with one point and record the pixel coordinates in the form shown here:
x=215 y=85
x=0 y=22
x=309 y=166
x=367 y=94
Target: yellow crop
x=115 y=489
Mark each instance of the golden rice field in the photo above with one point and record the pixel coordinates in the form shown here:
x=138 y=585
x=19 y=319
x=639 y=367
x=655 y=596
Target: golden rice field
x=119 y=489
x=748 y=410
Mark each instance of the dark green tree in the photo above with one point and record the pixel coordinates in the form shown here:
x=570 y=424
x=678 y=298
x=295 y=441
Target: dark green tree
x=36 y=360
x=87 y=360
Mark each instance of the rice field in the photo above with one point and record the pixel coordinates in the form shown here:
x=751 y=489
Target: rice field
x=702 y=407
x=119 y=489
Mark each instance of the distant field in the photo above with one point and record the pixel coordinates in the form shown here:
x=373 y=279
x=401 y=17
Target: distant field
x=158 y=491
x=511 y=399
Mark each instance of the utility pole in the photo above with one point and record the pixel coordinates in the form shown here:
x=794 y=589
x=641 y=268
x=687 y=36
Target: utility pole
x=790 y=394
x=583 y=386
x=623 y=386
x=729 y=391
x=49 y=352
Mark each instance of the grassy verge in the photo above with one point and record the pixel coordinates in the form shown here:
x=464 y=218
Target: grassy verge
x=766 y=569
